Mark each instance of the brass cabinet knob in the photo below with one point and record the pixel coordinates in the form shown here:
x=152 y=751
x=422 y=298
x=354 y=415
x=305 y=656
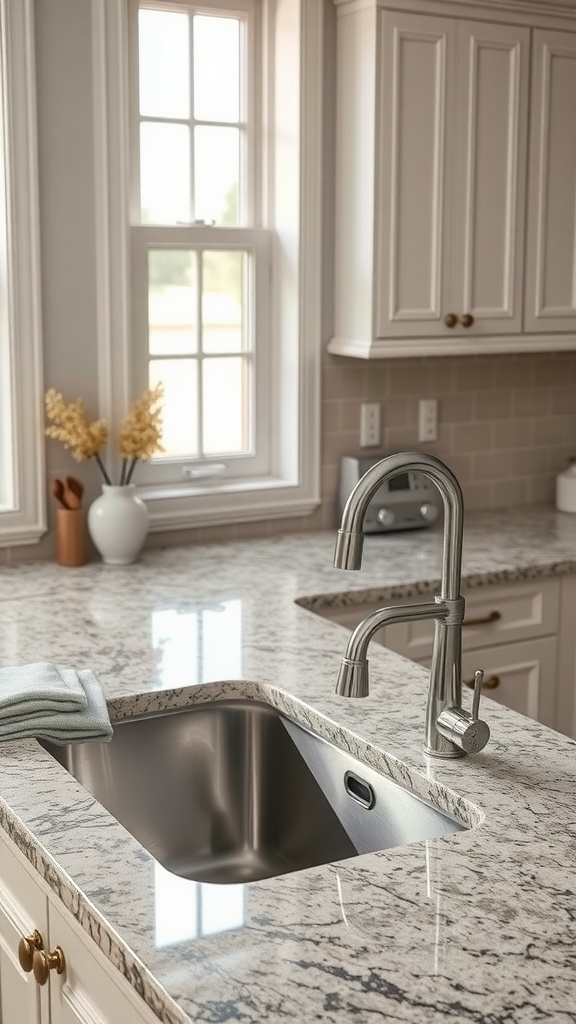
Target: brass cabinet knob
x=26 y=948
x=467 y=320
x=450 y=320
x=45 y=962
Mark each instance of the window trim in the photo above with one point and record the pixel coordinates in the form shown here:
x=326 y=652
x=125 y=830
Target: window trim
x=25 y=522
x=293 y=189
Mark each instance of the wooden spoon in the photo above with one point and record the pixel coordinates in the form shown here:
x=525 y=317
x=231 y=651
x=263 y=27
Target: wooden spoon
x=57 y=491
x=73 y=491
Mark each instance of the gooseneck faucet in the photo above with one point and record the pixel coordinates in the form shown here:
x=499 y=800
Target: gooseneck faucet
x=450 y=731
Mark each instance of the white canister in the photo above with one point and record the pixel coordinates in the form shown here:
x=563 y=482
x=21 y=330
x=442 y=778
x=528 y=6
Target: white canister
x=566 y=490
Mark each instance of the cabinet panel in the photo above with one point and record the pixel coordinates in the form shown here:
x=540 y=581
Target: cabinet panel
x=22 y=909
x=522 y=677
x=492 y=138
x=551 y=259
x=91 y=991
x=524 y=674
x=414 y=187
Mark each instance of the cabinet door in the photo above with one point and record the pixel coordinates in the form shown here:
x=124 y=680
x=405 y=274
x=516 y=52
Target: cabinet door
x=91 y=990
x=22 y=910
x=491 y=144
x=551 y=242
x=520 y=676
x=414 y=185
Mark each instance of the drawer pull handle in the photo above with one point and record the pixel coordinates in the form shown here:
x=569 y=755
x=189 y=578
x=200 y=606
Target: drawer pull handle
x=485 y=620
x=45 y=962
x=26 y=948
x=488 y=684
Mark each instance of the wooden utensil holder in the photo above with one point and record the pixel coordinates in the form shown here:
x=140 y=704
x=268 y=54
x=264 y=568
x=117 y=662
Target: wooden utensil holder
x=71 y=543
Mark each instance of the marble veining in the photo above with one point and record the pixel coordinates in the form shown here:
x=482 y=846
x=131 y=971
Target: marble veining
x=476 y=927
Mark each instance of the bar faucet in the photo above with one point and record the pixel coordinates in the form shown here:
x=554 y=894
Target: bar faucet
x=450 y=730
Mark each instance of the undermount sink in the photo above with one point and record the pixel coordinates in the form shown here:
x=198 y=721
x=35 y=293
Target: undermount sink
x=233 y=791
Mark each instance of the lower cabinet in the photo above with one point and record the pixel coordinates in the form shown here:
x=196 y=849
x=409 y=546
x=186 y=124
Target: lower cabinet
x=521 y=634
x=39 y=939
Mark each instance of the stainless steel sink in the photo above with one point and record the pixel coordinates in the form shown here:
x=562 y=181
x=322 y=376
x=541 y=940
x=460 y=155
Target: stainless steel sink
x=233 y=791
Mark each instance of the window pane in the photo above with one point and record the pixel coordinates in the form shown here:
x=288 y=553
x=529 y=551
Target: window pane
x=172 y=302
x=164 y=64
x=179 y=415
x=164 y=173
x=225 y=406
x=217 y=174
x=223 y=301
x=216 y=69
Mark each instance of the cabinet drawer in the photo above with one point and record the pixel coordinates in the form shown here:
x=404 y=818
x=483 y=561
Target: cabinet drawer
x=494 y=615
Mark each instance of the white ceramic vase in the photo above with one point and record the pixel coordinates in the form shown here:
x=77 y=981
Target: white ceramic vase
x=118 y=524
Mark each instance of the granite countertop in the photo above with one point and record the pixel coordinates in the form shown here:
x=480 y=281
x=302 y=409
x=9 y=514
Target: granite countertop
x=478 y=926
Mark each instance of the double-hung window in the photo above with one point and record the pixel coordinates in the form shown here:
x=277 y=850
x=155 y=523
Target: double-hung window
x=208 y=160
x=200 y=261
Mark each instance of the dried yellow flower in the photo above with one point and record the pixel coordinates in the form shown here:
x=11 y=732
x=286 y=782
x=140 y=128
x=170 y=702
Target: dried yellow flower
x=71 y=426
x=140 y=432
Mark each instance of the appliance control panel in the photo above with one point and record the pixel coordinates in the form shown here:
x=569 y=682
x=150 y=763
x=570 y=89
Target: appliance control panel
x=406 y=501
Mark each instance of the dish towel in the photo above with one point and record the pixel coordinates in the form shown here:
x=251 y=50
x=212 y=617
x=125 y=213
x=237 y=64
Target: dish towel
x=52 y=703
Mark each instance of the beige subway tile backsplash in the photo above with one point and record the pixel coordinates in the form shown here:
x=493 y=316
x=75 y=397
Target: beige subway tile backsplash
x=471 y=437
x=507 y=424
x=492 y=465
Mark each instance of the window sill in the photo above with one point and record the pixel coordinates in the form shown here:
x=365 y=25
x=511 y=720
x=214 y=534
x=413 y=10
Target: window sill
x=179 y=506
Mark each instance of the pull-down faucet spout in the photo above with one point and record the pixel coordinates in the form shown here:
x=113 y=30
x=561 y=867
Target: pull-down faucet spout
x=450 y=731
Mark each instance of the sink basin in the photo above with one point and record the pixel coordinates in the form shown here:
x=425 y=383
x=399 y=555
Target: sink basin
x=233 y=791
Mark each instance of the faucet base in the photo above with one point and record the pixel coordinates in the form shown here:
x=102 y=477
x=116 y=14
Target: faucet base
x=444 y=754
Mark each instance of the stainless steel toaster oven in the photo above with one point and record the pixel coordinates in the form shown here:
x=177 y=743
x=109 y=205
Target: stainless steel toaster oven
x=407 y=501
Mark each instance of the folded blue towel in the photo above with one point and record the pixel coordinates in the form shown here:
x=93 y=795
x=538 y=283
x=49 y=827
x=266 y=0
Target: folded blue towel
x=89 y=722
x=39 y=688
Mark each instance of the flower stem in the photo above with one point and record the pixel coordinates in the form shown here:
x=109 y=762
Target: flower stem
x=123 y=473
x=130 y=471
x=102 y=469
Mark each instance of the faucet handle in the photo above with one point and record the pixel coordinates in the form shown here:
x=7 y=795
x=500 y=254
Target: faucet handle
x=466 y=730
x=478 y=680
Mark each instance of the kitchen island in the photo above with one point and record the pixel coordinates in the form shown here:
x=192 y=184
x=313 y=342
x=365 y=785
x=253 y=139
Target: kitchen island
x=479 y=926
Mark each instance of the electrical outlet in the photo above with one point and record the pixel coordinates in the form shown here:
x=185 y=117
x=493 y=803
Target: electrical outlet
x=428 y=419
x=369 y=424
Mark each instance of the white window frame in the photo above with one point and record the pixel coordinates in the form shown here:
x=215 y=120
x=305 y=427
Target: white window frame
x=23 y=503
x=292 y=186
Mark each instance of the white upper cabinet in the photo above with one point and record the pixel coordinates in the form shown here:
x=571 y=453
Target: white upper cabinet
x=551 y=252
x=431 y=174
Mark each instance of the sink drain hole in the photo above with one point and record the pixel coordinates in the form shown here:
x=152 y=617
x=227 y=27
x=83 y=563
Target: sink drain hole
x=359 y=790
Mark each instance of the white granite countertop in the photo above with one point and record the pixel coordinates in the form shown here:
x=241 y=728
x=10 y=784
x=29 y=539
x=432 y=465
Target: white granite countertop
x=475 y=927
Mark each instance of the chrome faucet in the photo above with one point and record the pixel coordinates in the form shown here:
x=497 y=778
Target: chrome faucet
x=450 y=730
